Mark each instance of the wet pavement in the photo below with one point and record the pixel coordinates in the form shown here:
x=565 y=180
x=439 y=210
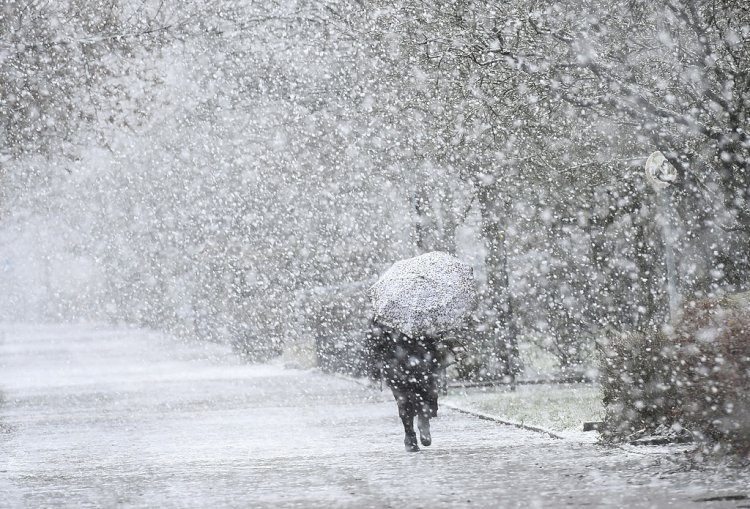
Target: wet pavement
x=93 y=417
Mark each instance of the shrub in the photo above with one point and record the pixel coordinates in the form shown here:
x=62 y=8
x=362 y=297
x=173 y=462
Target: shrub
x=695 y=376
x=636 y=387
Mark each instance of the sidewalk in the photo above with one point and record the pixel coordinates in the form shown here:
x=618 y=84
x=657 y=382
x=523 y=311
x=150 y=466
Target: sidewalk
x=108 y=418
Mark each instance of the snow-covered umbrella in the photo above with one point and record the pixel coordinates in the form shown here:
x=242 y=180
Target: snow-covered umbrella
x=430 y=293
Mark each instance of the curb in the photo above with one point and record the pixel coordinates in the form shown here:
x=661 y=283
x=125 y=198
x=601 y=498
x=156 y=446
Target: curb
x=488 y=417
x=478 y=415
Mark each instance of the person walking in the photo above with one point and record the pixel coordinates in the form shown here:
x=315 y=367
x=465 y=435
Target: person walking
x=415 y=304
x=410 y=367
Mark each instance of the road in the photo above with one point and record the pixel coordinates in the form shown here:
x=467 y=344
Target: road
x=93 y=417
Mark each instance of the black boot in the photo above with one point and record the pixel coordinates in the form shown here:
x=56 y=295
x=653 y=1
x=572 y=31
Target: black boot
x=423 y=423
x=410 y=442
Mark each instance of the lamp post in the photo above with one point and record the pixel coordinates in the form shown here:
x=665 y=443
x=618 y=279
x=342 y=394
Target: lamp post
x=661 y=175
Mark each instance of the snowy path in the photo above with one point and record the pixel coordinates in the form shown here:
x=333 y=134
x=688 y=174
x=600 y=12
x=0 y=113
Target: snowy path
x=101 y=418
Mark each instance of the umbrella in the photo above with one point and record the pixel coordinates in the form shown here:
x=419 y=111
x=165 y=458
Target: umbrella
x=430 y=293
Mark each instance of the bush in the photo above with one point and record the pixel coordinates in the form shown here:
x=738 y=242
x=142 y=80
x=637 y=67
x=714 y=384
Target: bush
x=636 y=385
x=252 y=347
x=694 y=377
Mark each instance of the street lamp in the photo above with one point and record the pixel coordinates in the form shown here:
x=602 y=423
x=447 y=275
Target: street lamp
x=661 y=174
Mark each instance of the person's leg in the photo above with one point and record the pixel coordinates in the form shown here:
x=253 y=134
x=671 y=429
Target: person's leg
x=423 y=419
x=432 y=391
x=428 y=407
x=410 y=436
x=423 y=424
x=407 y=410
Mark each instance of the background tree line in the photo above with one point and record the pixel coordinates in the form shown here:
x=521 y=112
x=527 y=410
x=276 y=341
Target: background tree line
x=202 y=167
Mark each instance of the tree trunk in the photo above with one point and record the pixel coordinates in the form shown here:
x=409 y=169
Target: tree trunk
x=449 y=222
x=500 y=319
x=600 y=310
x=421 y=207
x=434 y=231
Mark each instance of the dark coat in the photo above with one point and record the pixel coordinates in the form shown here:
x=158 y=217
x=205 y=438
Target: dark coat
x=408 y=365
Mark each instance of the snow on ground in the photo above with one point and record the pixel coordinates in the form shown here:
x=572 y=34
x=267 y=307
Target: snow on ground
x=561 y=409
x=94 y=417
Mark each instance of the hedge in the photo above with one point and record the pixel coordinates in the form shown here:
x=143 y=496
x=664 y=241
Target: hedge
x=693 y=376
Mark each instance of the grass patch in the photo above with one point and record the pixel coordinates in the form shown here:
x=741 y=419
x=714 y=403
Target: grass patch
x=299 y=354
x=553 y=407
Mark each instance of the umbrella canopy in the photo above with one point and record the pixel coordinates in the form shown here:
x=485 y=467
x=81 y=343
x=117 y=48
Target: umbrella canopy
x=430 y=293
